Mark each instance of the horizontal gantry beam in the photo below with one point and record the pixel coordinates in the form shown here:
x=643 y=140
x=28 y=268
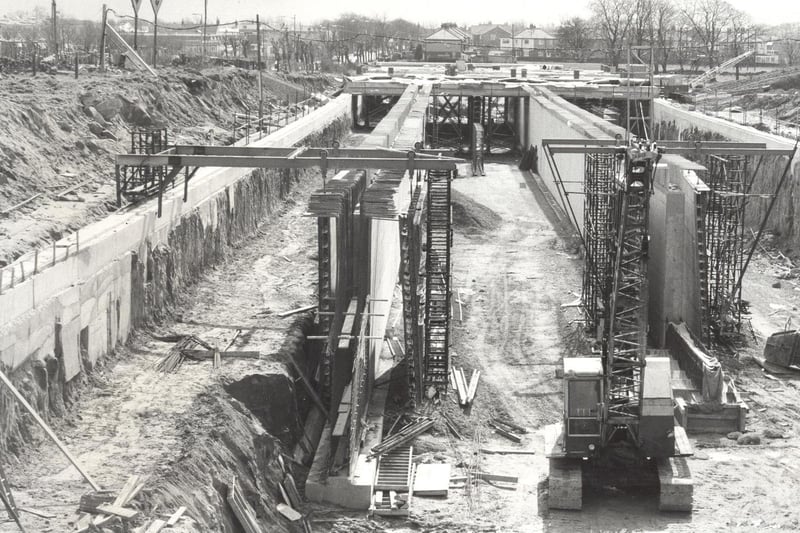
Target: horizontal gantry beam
x=256 y=157
x=607 y=146
x=474 y=88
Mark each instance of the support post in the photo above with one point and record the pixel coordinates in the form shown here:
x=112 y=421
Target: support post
x=136 y=4
x=47 y=430
x=205 y=30
x=55 y=31
x=260 y=85
x=155 y=39
x=102 y=51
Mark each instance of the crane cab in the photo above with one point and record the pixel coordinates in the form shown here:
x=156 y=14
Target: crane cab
x=583 y=397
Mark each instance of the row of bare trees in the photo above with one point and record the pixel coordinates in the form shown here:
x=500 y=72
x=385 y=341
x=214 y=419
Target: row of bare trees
x=682 y=31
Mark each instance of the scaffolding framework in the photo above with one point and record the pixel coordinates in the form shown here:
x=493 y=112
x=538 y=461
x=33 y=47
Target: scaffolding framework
x=724 y=227
x=598 y=235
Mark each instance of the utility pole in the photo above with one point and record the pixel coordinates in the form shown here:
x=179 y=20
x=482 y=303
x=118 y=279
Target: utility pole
x=136 y=5
x=205 y=25
x=260 y=86
x=103 y=40
x=55 y=31
x=156 y=5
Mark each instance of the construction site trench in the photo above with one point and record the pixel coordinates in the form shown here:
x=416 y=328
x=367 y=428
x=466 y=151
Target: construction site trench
x=184 y=349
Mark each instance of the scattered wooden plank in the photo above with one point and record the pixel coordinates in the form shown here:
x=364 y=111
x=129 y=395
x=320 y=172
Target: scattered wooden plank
x=508 y=451
x=495 y=477
x=122 y=512
x=289 y=513
x=36 y=512
x=297 y=311
x=291 y=489
x=8 y=211
x=510 y=425
x=156 y=526
x=473 y=385
x=432 y=480
x=47 y=430
x=505 y=433
x=90 y=501
x=242 y=510
x=309 y=387
x=234 y=354
x=177 y=515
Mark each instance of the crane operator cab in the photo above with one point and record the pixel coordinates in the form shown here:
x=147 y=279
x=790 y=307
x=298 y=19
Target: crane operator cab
x=583 y=393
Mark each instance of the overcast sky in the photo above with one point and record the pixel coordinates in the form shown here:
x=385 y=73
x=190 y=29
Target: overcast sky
x=540 y=12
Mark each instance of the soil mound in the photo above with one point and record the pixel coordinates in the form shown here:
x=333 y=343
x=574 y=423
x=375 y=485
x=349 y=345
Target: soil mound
x=469 y=214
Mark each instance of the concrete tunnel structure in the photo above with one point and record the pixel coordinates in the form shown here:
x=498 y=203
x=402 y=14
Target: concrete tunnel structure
x=77 y=300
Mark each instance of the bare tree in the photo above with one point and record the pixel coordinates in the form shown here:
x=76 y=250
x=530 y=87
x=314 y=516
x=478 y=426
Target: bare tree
x=612 y=20
x=663 y=22
x=708 y=19
x=741 y=33
x=575 y=37
x=641 y=29
x=789 y=46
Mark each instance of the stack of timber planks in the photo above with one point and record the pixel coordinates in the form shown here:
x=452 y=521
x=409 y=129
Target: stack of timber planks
x=330 y=201
x=404 y=436
x=465 y=389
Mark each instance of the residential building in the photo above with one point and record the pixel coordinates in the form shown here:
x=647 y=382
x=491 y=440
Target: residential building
x=487 y=36
x=446 y=44
x=531 y=42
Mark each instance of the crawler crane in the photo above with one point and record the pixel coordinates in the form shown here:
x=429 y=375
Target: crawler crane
x=618 y=425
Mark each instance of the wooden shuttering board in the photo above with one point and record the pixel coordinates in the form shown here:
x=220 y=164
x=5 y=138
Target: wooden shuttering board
x=343 y=190
x=394 y=469
x=385 y=198
x=432 y=480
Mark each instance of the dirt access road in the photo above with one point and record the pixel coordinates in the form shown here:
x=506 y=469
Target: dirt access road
x=514 y=274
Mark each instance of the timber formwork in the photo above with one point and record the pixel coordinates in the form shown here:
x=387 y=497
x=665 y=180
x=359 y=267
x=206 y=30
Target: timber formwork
x=337 y=218
x=724 y=227
x=412 y=268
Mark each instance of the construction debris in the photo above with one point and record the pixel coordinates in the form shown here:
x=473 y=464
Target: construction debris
x=114 y=510
x=244 y=513
x=288 y=512
x=465 y=389
x=507 y=451
x=47 y=430
x=297 y=311
x=504 y=432
x=178 y=353
x=8 y=500
x=432 y=480
x=405 y=435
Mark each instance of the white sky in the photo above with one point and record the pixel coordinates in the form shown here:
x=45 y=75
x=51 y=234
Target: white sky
x=539 y=12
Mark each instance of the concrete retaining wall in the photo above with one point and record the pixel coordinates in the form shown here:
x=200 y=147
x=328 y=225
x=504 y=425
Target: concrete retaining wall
x=674 y=122
x=674 y=268
x=132 y=264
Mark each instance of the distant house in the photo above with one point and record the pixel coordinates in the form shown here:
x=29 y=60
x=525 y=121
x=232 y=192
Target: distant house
x=446 y=44
x=488 y=36
x=531 y=42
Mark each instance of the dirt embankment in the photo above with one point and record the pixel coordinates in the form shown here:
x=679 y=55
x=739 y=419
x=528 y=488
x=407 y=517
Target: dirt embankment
x=57 y=132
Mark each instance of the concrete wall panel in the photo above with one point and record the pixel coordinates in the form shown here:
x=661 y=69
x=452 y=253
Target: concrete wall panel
x=83 y=290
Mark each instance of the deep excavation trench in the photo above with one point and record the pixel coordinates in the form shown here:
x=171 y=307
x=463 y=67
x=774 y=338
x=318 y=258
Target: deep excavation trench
x=188 y=434
x=239 y=431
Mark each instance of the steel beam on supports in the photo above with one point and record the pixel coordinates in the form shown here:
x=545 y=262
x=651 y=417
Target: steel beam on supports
x=169 y=161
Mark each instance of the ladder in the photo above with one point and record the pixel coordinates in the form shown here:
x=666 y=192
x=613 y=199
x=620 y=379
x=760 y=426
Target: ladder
x=437 y=289
x=8 y=500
